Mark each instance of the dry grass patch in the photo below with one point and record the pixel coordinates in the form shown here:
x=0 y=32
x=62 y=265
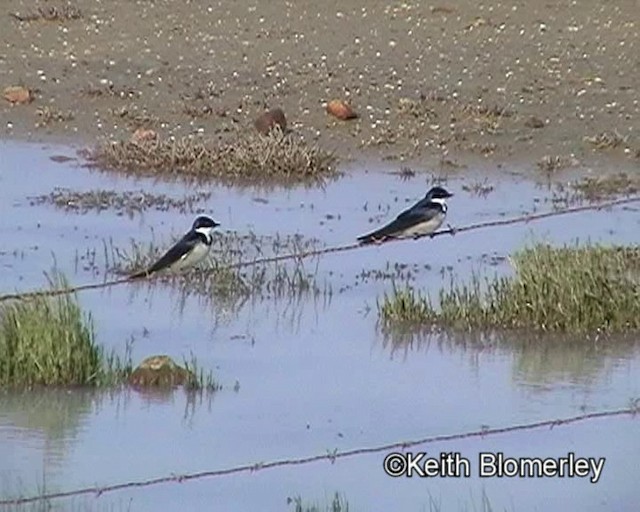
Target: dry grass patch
x=252 y=159
x=127 y=202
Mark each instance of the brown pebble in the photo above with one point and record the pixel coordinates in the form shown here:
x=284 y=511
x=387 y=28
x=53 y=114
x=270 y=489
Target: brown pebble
x=534 y=122
x=269 y=120
x=341 y=110
x=18 y=94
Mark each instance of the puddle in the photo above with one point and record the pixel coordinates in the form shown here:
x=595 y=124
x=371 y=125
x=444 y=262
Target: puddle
x=311 y=374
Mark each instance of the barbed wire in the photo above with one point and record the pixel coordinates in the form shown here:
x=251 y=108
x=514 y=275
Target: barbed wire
x=325 y=250
x=633 y=410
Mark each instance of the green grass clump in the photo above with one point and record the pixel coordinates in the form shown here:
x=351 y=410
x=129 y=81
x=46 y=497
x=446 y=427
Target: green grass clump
x=49 y=342
x=570 y=289
x=406 y=306
x=199 y=379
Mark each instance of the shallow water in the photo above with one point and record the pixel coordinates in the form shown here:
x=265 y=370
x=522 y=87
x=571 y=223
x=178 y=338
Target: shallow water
x=314 y=374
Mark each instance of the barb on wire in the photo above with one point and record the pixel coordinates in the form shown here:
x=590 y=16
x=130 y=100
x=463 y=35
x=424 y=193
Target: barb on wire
x=331 y=457
x=327 y=250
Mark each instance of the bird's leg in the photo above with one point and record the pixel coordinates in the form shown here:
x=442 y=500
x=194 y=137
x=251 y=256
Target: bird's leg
x=452 y=229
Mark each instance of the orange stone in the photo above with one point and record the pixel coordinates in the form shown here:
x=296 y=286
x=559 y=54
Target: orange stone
x=17 y=94
x=341 y=110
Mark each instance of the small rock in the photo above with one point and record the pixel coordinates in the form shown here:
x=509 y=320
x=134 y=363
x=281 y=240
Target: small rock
x=144 y=135
x=534 y=122
x=341 y=110
x=159 y=371
x=18 y=94
x=269 y=120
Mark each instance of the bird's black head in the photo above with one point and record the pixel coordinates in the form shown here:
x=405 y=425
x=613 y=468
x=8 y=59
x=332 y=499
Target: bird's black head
x=438 y=193
x=204 y=222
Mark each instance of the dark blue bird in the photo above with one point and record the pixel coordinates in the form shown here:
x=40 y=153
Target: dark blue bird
x=423 y=218
x=190 y=250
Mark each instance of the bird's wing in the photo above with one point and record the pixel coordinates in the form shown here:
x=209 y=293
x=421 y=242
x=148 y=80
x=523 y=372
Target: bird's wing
x=178 y=251
x=394 y=227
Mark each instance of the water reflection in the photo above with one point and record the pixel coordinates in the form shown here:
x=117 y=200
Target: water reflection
x=58 y=416
x=55 y=416
x=538 y=358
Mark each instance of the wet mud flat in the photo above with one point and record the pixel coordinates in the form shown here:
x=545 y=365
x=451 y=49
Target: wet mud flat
x=444 y=83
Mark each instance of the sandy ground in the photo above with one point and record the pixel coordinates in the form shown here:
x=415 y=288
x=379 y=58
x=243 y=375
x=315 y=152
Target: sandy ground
x=437 y=83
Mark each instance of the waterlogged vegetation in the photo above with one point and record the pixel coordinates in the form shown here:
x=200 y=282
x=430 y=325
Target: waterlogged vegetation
x=122 y=203
x=607 y=186
x=248 y=159
x=48 y=341
x=199 y=378
x=596 y=188
x=338 y=504
x=233 y=272
x=567 y=289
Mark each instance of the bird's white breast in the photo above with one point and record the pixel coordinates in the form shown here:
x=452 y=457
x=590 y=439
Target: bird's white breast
x=193 y=257
x=427 y=227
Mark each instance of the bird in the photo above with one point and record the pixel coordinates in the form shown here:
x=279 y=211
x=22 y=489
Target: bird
x=423 y=218
x=190 y=250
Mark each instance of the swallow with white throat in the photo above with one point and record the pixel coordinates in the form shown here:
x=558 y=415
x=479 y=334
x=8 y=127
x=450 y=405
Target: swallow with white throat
x=190 y=250
x=422 y=219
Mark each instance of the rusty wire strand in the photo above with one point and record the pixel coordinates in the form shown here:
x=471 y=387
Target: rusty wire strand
x=326 y=250
x=329 y=456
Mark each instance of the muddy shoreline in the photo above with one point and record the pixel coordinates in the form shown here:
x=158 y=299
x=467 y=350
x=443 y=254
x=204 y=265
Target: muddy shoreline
x=439 y=85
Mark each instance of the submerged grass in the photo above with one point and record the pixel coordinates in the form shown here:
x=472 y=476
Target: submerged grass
x=607 y=186
x=338 y=504
x=250 y=158
x=50 y=342
x=596 y=188
x=199 y=379
x=571 y=289
x=219 y=278
x=127 y=202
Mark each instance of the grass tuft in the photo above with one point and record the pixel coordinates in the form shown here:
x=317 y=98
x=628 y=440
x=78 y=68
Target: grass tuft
x=50 y=342
x=406 y=306
x=568 y=289
x=199 y=379
x=553 y=163
x=250 y=159
x=607 y=186
x=50 y=13
x=338 y=504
